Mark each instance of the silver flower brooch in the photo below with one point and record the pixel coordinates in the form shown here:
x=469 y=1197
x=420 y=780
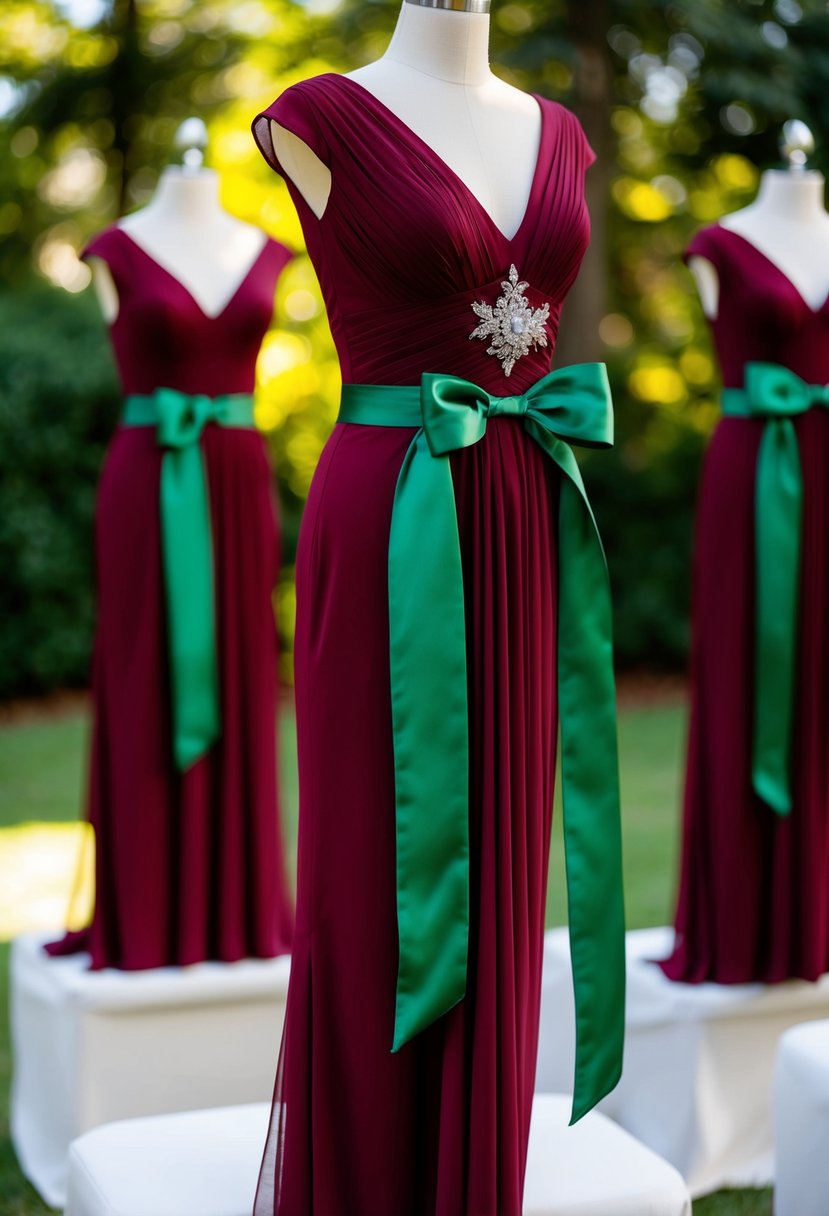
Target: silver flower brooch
x=513 y=325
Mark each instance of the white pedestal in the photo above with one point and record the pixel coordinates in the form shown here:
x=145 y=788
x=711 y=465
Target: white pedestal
x=595 y=1168
x=92 y=1047
x=699 y=1059
x=202 y=1163
x=801 y=1121
x=206 y=1163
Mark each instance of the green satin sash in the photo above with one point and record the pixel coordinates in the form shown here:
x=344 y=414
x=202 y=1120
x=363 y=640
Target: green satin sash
x=430 y=719
x=187 y=552
x=774 y=393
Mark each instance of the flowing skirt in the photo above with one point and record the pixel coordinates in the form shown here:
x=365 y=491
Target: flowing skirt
x=754 y=889
x=441 y=1127
x=187 y=867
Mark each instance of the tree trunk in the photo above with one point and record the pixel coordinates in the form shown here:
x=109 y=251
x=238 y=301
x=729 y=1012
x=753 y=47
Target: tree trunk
x=587 y=24
x=125 y=29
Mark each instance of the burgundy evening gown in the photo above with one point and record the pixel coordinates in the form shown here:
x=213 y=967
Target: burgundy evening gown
x=403 y=249
x=754 y=887
x=189 y=864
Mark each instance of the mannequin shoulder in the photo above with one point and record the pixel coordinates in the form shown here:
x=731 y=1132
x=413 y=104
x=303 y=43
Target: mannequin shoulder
x=240 y=243
x=246 y=242
x=509 y=97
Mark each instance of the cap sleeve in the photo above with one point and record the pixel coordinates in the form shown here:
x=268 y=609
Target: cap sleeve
x=104 y=246
x=574 y=142
x=111 y=248
x=588 y=156
x=294 y=111
x=704 y=244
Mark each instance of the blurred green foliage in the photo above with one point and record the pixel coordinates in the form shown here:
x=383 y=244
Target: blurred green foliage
x=644 y=493
x=683 y=101
x=58 y=402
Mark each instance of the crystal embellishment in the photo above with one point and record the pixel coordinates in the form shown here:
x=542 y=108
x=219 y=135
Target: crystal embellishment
x=513 y=325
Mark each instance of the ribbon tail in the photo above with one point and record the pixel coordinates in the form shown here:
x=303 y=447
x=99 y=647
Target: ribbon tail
x=778 y=513
x=430 y=722
x=187 y=551
x=590 y=788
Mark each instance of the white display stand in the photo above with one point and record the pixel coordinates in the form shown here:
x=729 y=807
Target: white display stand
x=595 y=1168
x=202 y=1163
x=699 y=1059
x=91 y=1047
x=801 y=1121
x=205 y=1163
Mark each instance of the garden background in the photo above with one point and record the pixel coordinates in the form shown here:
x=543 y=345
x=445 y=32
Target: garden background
x=683 y=101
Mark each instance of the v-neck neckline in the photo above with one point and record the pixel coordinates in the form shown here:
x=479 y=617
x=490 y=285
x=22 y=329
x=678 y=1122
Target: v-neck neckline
x=815 y=311
x=439 y=160
x=185 y=289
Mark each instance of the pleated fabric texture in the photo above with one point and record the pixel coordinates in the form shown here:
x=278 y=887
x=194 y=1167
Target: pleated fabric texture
x=753 y=901
x=403 y=249
x=189 y=866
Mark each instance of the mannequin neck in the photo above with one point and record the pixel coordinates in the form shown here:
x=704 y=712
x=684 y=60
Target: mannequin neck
x=791 y=195
x=190 y=195
x=448 y=44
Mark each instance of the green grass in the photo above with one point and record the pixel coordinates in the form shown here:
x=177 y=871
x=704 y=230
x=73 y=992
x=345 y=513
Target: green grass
x=17 y=1198
x=41 y=769
x=735 y=1203
x=651 y=744
x=42 y=764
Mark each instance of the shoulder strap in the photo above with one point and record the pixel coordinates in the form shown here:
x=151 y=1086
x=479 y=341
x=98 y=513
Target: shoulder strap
x=279 y=256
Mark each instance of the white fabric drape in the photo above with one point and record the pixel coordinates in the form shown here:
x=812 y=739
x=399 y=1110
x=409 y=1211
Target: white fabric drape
x=697 y=1079
x=91 y=1047
x=205 y=1163
x=801 y=1121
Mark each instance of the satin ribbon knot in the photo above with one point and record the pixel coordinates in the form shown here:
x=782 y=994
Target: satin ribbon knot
x=507 y=407
x=776 y=395
x=182 y=418
x=179 y=420
x=430 y=714
x=774 y=391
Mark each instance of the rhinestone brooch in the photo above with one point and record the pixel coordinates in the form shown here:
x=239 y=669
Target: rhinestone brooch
x=513 y=325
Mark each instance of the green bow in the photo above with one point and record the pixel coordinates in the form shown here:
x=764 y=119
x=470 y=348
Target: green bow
x=430 y=718
x=187 y=553
x=777 y=395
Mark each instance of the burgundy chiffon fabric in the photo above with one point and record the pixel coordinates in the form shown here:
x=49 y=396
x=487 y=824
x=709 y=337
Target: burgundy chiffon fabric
x=754 y=889
x=188 y=866
x=403 y=249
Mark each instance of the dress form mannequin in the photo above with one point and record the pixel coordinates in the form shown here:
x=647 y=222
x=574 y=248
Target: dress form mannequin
x=787 y=223
x=755 y=785
x=182 y=223
x=435 y=76
x=434 y=167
